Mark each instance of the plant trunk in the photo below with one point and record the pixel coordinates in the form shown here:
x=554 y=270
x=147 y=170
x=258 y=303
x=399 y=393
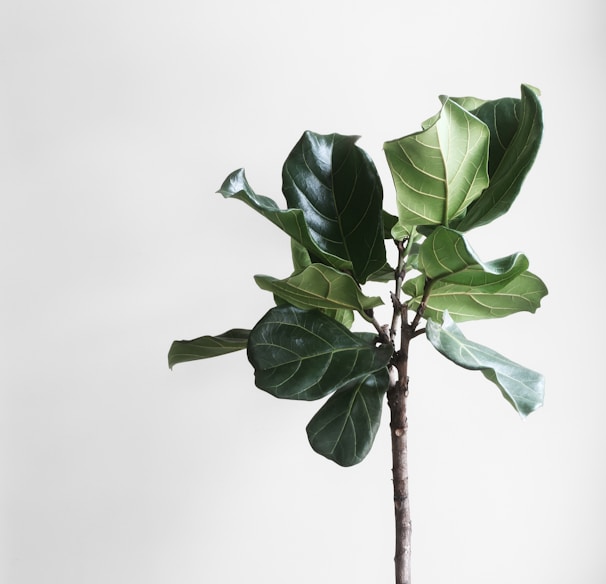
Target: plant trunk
x=396 y=398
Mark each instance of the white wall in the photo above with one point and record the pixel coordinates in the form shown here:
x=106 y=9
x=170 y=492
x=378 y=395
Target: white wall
x=119 y=121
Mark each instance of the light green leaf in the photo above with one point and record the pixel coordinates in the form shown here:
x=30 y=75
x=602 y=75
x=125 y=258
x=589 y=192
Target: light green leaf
x=320 y=286
x=338 y=189
x=291 y=221
x=473 y=302
x=445 y=254
x=439 y=171
x=304 y=354
x=345 y=427
x=207 y=346
x=302 y=260
x=521 y=387
x=516 y=128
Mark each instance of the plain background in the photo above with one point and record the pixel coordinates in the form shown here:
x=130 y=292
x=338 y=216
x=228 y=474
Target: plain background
x=119 y=121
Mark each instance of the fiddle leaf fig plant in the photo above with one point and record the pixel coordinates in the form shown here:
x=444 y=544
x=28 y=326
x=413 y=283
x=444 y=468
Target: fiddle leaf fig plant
x=463 y=169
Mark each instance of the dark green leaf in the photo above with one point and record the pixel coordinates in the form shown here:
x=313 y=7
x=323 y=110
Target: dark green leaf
x=473 y=302
x=291 y=221
x=337 y=187
x=320 y=286
x=207 y=346
x=521 y=387
x=344 y=428
x=439 y=171
x=304 y=354
x=516 y=128
x=389 y=221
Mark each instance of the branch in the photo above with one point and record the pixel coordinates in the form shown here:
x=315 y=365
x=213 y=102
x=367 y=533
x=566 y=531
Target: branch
x=381 y=330
x=423 y=305
x=400 y=274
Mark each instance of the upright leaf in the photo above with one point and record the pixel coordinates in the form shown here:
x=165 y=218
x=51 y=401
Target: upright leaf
x=304 y=354
x=291 y=221
x=439 y=171
x=337 y=187
x=319 y=286
x=521 y=387
x=516 y=128
x=207 y=346
x=345 y=427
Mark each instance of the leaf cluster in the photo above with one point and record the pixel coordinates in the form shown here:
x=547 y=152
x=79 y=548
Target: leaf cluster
x=463 y=169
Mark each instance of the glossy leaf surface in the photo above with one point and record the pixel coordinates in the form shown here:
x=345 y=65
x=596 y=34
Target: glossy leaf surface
x=345 y=427
x=337 y=187
x=516 y=128
x=319 y=286
x=521 y=387
x=474 y=302
x=291 y=221
x=304 y=354
x=207 y=346
x=441 y=170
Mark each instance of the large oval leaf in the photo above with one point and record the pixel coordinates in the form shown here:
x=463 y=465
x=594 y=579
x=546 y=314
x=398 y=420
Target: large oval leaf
x=337 y=187
x=439 y=171
x=521 y=387
x=345 y=427
x=474 y=302
x=516 y=128
x=319 y=286
x=304 y=354
x=207 y=346
x=291 y=221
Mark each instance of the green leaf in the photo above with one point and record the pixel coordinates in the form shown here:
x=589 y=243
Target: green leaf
x=445 y=254
x=472 y=302
x=304 y=354
x=439 y=171
x=516 y=128
x=345 y=427
x=320 y=286
x=521 y=387
x=207 y=346
x=302 y=260
x=385 y=274
x=300 y=256
x=337 y=187
x=389 y=221
x=291 y=221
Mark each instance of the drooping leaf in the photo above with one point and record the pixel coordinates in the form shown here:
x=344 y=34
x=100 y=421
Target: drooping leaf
x=345 y=427
x=304 y=354
x=320 y=286
x=291 y=221
x=521 y=387
x=207 y=346
x=516 y=128
x=473 y=302
x=439 y=171
x=337 y=187
x=445 y=254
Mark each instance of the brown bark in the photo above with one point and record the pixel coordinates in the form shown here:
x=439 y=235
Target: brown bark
x=396 y=398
